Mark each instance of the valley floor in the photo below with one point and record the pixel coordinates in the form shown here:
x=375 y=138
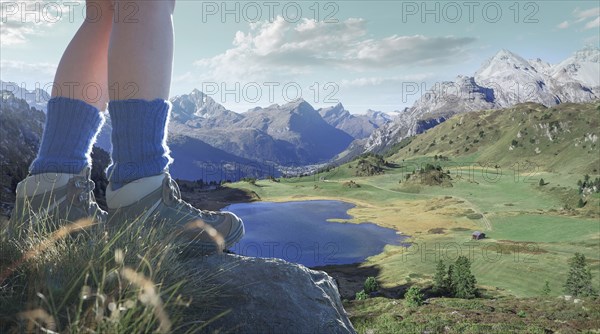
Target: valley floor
x=531 y=231
x=530 y=237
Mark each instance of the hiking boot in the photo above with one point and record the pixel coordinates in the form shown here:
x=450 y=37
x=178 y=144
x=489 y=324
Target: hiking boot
x=54 y=200
x=196 y=231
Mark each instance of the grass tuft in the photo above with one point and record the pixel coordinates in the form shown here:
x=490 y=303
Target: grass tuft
x=80 y=278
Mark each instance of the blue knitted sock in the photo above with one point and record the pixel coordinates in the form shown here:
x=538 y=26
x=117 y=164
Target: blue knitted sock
x=139 y=139
x=70 y=131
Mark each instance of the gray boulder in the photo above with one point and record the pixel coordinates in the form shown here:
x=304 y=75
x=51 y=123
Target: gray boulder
x=259 y=295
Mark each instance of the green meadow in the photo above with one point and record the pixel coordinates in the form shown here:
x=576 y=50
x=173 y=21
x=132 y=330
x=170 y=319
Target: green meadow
x=529 y=237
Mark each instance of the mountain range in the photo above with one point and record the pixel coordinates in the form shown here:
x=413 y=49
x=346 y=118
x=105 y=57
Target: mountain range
x=358 y=126
x=289 y=134
x=211 y=142
x=503 y=81
x=293 y=134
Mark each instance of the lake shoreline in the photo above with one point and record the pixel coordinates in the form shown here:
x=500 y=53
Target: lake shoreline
x=303 y=232
x=215 y=200
x=349 y=277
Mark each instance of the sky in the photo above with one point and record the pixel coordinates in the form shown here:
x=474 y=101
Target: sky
x=379 y=55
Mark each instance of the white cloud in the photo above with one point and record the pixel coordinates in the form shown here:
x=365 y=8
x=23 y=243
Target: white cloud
x=18 y=66
x=281 y=46
x=593 y=24
x=12 y=33
x=376 y=81
x=22 y=19
x=590 y=16
x=563 y=25
x=362 y=82
x=582 y=15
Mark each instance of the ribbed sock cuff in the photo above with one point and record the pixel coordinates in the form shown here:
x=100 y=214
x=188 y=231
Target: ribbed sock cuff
x=70 y=131
x=139 y=139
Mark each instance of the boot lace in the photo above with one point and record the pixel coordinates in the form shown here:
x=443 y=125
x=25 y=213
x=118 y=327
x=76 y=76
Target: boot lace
x=175 y=195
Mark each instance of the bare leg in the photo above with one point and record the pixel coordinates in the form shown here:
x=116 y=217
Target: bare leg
x=140 y=56
x=82 y=71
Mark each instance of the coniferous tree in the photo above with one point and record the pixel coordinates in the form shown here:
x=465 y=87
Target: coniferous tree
x=439 y=279
x=579 y=279
x=464 y=283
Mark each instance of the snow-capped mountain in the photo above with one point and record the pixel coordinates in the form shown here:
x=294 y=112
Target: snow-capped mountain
x=583 y=67
x=200 y=110
x=439 y=103
x=541 y=66
x=504 y=80
x=514 y=80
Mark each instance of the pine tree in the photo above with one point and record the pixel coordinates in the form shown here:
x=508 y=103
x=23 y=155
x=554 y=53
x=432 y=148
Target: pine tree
x=463 y=280
x=439 y=279
x=579 y=279
x=580 y=203
x=542 y=182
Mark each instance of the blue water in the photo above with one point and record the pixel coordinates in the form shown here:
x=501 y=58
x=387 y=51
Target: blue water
x=299 y=232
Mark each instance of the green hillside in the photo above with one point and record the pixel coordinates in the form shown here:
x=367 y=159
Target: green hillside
x=528 y=136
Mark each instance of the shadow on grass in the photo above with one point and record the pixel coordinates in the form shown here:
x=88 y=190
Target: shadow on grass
x=350 y=279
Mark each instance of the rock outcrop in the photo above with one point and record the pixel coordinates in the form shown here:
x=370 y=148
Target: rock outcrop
x=258 y=295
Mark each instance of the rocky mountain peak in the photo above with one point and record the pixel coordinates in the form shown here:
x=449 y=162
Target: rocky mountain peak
x=298 y=104
x=336 y=111
x=588 y=54
x=503 y=61
x=198 y=109
x=196 y=91
x=301 y=107
x=378 y=117
x=504 y=80
x=582 y=67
